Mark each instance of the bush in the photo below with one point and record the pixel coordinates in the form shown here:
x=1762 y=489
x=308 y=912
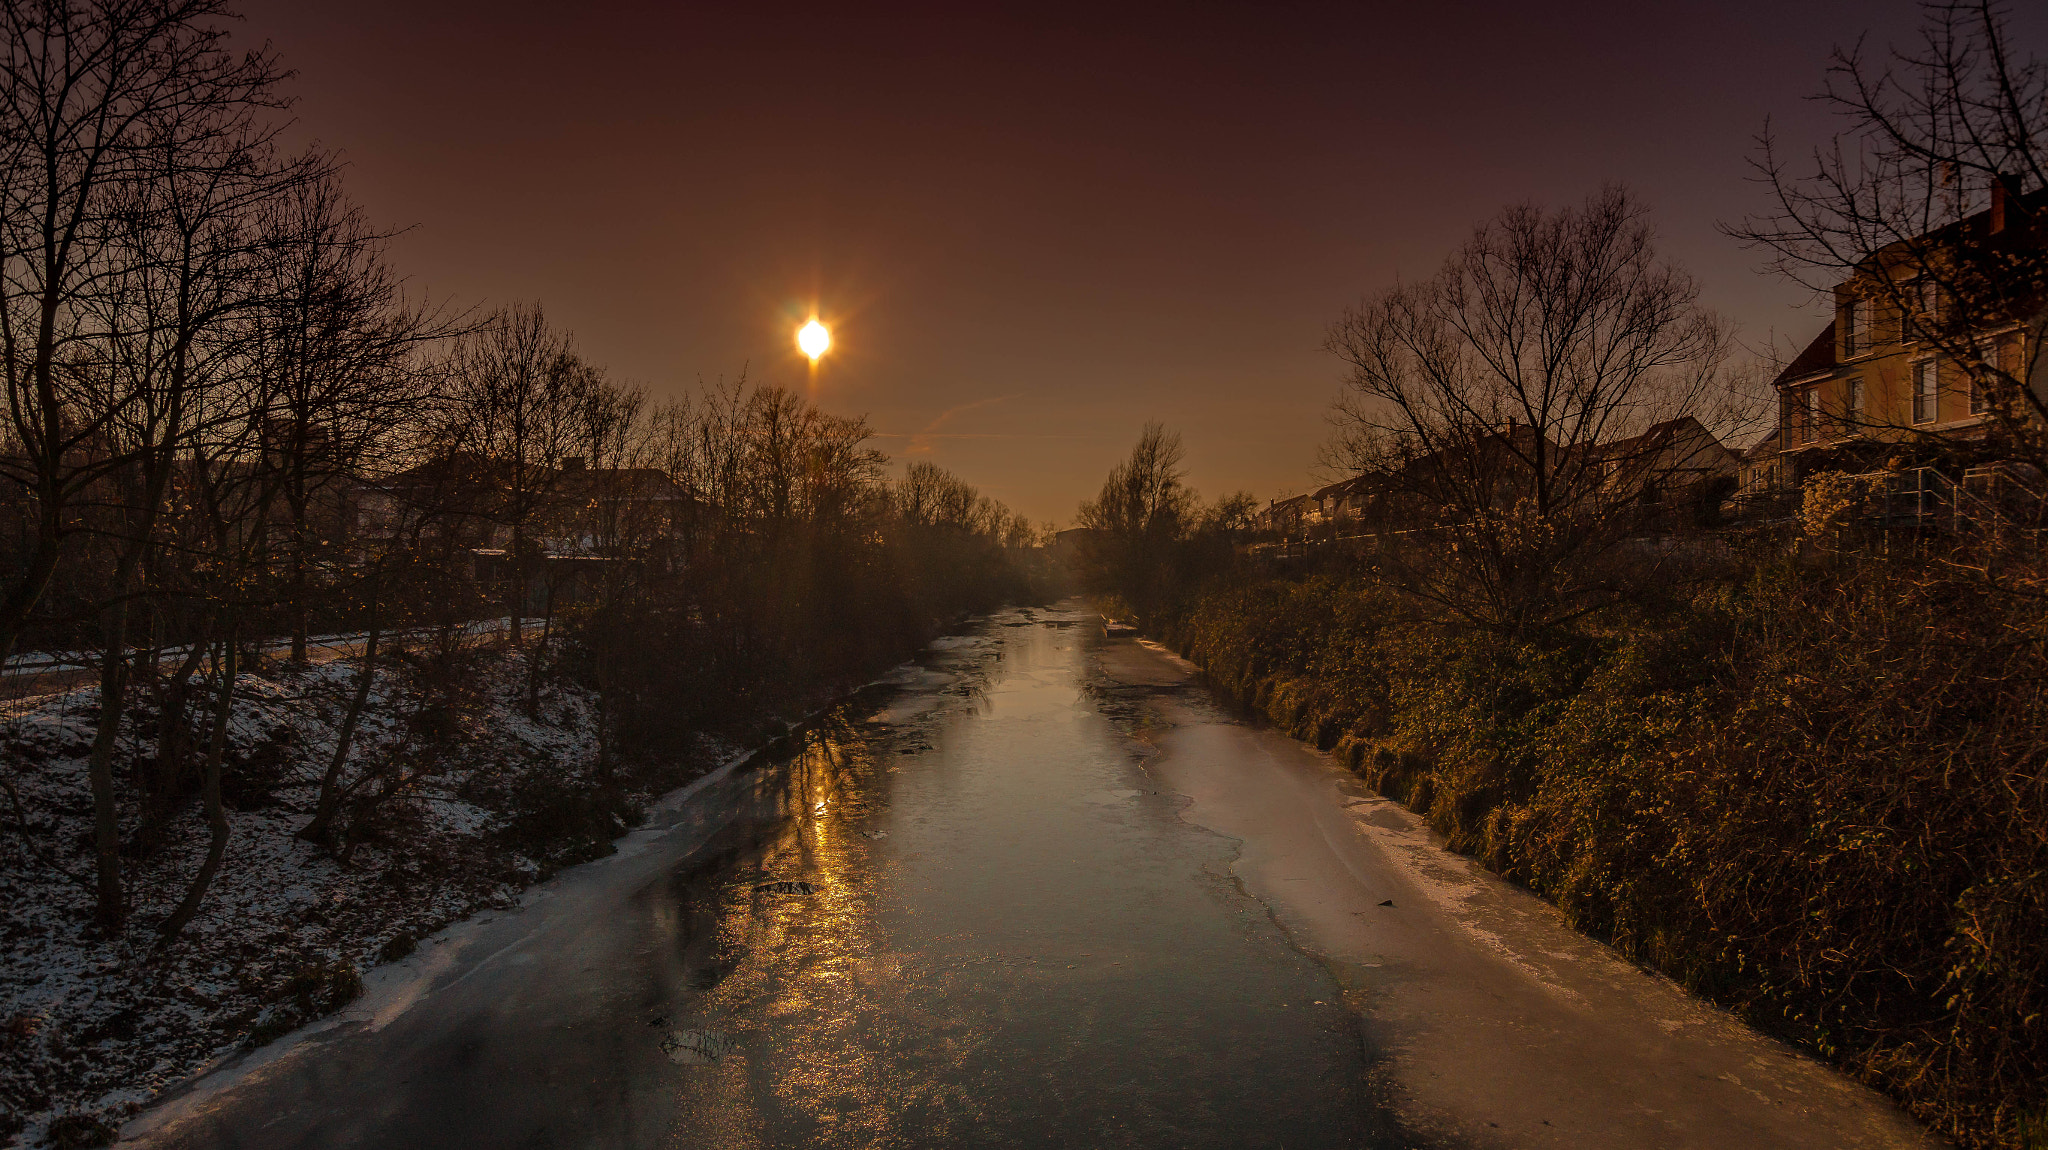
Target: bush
x=75 y=1131
x=397 y=946
x=315 y=991
x=560 y=821
x=1814 y=794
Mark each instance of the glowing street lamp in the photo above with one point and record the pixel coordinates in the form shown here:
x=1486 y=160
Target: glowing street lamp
x=814 y=338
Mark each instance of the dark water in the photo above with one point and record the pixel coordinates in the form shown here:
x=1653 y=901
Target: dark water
x=1011 y=938
x=961 y=914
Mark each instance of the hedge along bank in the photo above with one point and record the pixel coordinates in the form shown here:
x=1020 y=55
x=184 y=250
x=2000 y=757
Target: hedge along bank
x=1812 y=794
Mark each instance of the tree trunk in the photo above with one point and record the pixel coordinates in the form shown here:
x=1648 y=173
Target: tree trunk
x=540 y=650
x=300 y=627
x=100 y=768
x=299 y=609
x=516 y=599
x=321 y=828
x=35 y=579
x=173 y=696
x=216 y=816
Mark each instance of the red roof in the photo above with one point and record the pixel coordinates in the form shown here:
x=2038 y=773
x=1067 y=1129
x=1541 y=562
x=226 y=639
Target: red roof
x=1818 y=356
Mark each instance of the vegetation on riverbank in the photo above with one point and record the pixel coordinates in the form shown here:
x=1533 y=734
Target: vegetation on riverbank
x=1812 y=792
x=96 y=1024
x=1796 y=765
x=476 y=769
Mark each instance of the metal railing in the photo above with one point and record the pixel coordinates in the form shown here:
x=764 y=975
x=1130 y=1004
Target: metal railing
x=36 y=673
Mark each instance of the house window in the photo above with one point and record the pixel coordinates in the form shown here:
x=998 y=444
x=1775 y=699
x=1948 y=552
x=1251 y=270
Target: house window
x=1855 y=323
x=1852 y=403
x=1927 y=294
x=1926 y=391
x=1813 y=418
x=2002 y=357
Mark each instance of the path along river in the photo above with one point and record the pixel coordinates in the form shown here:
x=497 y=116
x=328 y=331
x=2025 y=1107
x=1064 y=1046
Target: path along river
x=1038 y=891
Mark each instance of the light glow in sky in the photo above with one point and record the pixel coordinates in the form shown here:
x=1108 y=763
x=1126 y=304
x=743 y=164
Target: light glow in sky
x=814 y=338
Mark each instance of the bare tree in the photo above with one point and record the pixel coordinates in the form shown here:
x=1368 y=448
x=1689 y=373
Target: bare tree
x=97 y=101
x=516 y=390
x=337 y=341
x=930 y=496
x=232 y=493
x=171 y=357
x=1479 y=401
x=1146 y=495
x=1145 y=508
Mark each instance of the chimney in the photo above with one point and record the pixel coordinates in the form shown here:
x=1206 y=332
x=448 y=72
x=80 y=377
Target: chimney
x=2008 y=207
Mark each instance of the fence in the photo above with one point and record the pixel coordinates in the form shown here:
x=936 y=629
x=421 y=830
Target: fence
x=33 y=674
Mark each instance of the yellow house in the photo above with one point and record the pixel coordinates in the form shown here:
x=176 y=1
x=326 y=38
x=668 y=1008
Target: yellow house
x=1901 y=360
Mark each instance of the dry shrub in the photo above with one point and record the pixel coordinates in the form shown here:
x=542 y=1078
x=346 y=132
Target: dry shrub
x=1815 y=794
x=1829 y=501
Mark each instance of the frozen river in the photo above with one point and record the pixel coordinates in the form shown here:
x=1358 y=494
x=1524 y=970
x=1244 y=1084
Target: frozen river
x=1039 y=891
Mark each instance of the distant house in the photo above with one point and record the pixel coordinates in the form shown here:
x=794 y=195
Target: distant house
x=1346 y=501
x=1672 y=461
x=1762 y=470
x=1675 y=456
x=598 y=510
x=579 y=519
x=572 y=509
x=452 y=498
x=1288 y=518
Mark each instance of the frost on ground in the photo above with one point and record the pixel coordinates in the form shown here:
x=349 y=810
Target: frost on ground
x=491 y=800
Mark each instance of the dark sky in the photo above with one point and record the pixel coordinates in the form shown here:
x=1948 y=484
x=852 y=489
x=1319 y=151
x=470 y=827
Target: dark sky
x=1032 y=232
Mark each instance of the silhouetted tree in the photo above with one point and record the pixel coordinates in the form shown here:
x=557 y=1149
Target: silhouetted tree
x=101 y=104
x=1478 y=399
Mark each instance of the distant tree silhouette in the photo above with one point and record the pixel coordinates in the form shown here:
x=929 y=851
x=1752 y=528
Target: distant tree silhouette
x=1479 y=400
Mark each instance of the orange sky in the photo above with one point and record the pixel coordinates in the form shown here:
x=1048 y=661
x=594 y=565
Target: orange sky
x=1033 y=234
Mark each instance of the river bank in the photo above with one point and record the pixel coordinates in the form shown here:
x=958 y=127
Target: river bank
x=1040 y=889
x=1496 y=1023
x=1812 y=795
x=92 y=1029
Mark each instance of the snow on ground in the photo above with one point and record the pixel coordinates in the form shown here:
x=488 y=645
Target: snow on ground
x=91 y=1029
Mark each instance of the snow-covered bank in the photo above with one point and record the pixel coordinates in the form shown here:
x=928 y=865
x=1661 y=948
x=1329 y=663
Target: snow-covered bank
x=91 y=1028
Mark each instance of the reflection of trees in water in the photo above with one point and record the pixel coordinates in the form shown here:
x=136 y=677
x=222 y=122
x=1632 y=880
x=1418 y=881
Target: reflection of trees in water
x=1133 y=707
x=784 y=812
x=972 y=682
x=847 y=1013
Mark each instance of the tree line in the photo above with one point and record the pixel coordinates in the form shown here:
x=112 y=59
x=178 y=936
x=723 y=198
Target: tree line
x=229 y=421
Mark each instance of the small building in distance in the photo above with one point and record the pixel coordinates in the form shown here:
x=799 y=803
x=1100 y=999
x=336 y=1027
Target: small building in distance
x=1678 y=462
x=1288 y=518
x=1678 y=457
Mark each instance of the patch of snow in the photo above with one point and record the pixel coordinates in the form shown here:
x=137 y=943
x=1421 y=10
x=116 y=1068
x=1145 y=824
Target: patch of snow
x=101 y=1026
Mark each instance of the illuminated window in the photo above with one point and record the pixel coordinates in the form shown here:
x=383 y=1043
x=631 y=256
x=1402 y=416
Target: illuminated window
x=1926 y=391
